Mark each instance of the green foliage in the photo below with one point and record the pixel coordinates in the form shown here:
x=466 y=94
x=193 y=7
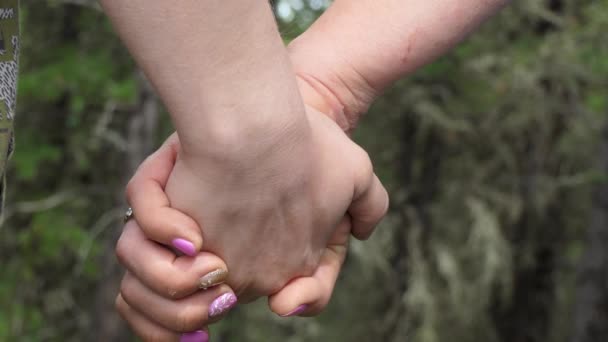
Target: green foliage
x=62 y=176
x=33 y=153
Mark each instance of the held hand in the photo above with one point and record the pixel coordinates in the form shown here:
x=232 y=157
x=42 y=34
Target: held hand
x=303 y=296
x=159 y=296
x=174 y=309
x=271 y=220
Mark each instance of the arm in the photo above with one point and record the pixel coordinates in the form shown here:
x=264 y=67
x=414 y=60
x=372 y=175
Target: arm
x=219 y=66
x=356 y=49
x=267 y=179
x=330 y=80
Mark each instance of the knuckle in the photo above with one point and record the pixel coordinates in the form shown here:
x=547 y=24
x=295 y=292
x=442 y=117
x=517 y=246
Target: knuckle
x=124 y=290
x=119 y=305
x=382 y=209
x=365 y=168
x=363 y=156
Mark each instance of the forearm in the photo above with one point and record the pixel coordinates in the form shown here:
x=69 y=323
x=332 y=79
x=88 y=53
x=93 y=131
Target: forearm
x=219 y=66
x=363 y=46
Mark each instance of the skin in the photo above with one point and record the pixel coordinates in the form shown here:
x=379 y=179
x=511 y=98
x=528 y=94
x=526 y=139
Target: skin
x=338 y=77
x=253 y=157
x=357 y=49
x=154 y=271
x=274 y=192
x=205 y=59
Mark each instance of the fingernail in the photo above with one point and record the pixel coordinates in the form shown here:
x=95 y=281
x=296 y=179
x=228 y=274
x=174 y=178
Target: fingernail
x=222 y=304
x=184 y=246
x=296 y=311
x=196 y=336
x=213 y=278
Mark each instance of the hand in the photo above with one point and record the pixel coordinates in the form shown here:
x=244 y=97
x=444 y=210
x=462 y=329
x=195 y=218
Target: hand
x=161 y=289
x=270 y=220
x=156 y=297
x=147 y=196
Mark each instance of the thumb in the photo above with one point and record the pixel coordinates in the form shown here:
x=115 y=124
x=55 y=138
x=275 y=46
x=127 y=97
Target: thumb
x=370 y=201
x=308 y=296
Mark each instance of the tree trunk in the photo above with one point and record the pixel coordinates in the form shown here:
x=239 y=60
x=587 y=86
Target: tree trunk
x=541 y=235
x=591 y=314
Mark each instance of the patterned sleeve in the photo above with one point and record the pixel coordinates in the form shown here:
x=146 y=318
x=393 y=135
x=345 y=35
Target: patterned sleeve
x=9 y=57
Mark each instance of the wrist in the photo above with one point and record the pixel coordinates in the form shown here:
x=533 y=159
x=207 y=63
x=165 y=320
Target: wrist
x=329 y=84
x=244 y=144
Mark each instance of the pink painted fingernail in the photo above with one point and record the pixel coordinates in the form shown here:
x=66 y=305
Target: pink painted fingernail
x=222 y=304
x=196 y=336
x=296 y=311
x=184 y=246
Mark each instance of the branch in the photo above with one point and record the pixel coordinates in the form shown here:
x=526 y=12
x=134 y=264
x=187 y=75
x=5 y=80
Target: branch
x=27 y=207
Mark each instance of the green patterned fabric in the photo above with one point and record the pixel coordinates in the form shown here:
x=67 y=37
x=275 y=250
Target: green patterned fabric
x=9 y=66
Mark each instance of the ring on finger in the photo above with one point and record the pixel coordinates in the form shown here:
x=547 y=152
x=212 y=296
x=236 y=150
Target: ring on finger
x=129 y=214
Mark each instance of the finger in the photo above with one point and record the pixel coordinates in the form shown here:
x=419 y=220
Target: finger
x=370 y=202
x=151 y=206
x=142 y=327
x=308 y=296
x=149 y=331
x=159 y=269
x=181 y=315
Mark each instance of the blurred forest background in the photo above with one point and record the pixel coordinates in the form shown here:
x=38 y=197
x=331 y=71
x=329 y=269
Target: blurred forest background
x=496 y=157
